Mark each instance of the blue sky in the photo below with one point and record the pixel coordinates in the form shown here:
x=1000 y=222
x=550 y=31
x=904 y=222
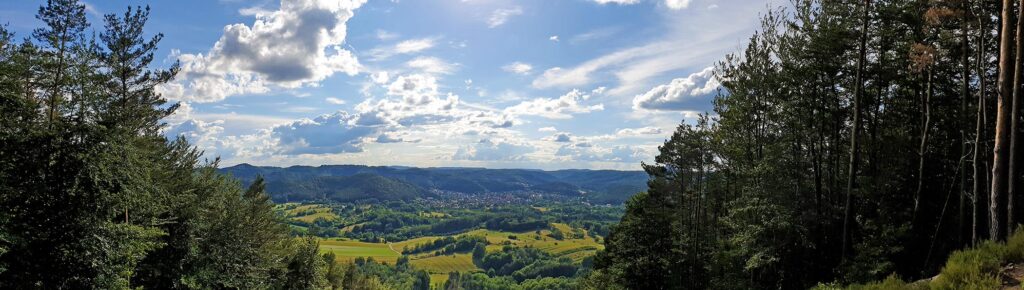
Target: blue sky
x=545 y=84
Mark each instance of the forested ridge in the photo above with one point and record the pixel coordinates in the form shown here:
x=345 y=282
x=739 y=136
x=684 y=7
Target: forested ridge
x=356 y=182
x=851 y=140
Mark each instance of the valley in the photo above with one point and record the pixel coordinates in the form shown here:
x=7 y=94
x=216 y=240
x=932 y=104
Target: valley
x=439 y=233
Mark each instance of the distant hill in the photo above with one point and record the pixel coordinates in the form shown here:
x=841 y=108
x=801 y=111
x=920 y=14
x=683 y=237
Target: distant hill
x=358 y=182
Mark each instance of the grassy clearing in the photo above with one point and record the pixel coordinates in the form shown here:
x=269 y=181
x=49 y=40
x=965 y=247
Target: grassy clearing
x=346 y=250
x=576 y=249
x=445 y=264
x=399 y=246
x=437 y=280
x=313 y=217
x=977 y=268
x=440 y=266
x=307 y=213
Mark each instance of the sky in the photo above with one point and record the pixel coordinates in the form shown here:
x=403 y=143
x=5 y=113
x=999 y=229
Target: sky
x=542 y=84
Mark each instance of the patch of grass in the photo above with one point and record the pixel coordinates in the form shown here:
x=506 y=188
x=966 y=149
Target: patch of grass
x=976 y=268
x=313 y=217
x=412 y=243
x=437 y=280
x=445 y=264
x=891 y=283
x=347 y=251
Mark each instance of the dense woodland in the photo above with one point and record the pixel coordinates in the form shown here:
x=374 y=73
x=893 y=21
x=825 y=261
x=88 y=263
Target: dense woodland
x=851 y=140
x=93 y=196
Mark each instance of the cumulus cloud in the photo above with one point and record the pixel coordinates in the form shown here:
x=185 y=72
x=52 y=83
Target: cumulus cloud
x=493 y=150
x=560 y=108
x=431 y=65
x=380 y=77
x=416 y=89
x=334 y=133
x=518 y=68
x=678 y=93
x=582 y=151
x=560 y=138
x=199 y=133
x=299 y=44
x=553 y=38
x=547 y=129
x=500 y=16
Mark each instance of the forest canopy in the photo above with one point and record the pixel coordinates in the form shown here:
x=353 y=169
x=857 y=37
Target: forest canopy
x=851 y=140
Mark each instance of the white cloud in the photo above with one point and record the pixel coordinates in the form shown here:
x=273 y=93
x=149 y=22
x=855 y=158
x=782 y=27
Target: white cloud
x=500 y=16
x=299 y=44
x=553 y=38
x=582 y=151
x=201 y=134
x=688 y=43
x=431 y=65
x=393 y=138
x=560 y=108
x=334 y=133
x=414 y=45
x=380 y=77
x=599 y=90
x=518 y=68
x=335 y=101
x=620 y=2
x=676 y=95
x=408 y=46
x=677 y=4
x=547 y=129
x=561 y=137
x=639 y=131
x=414 y=89
x=493 y=150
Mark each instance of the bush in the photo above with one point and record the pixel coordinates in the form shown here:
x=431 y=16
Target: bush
x=972 y=269
x=976 y=268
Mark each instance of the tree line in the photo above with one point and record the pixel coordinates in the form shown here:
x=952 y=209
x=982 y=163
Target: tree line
x=93 y=196
x=850 y=140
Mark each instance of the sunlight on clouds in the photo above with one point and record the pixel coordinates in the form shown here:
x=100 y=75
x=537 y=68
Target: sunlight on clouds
x=561 y=108
x=676 y=95
x=251 y=58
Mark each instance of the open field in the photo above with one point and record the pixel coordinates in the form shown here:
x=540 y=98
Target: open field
x=577 y=249
x=307 y=213
x=445 y=264
x=349 y=250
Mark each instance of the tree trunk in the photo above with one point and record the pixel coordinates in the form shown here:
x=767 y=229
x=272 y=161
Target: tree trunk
x=851 y=182
x=1011 y=171
x=1000 y=152
x=965 y=76
x=923 y=146
x=979 y=131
